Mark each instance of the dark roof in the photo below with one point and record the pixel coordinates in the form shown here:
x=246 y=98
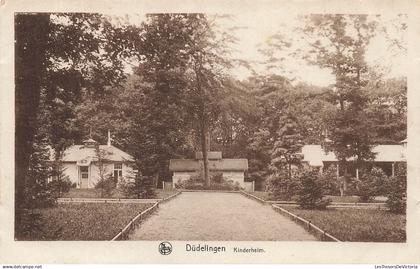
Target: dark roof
x=189 y=165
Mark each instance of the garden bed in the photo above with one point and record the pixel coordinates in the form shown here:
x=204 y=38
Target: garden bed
x=84 y=221
x=95 y=193
x=357 y=225
x=334 y=199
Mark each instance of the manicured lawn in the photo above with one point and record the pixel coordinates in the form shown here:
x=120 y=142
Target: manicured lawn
x=85 y=221
x=95 y=193
x=357 y=225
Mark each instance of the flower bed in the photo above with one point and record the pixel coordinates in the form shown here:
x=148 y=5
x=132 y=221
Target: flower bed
x=83 y=221
x=357 y=225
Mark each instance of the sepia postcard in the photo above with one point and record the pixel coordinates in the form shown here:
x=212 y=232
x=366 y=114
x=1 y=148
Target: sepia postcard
x=209 y=132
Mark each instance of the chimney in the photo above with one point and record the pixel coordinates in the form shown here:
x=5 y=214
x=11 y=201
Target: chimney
x=109 y=139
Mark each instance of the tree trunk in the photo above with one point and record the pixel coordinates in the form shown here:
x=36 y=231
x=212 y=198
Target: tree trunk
x=31 y=35
x=204 y=150
x=345 y=179
x=157 y=179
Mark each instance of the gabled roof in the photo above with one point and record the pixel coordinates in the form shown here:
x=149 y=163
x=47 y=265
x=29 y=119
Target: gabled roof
x=189 y=165
x=79 y=152
x=315 y=155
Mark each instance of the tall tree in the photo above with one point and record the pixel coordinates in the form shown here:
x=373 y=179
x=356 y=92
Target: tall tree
x=208 y=64
x=59 y=54
x=271 y=94
x=339 y=43
x=161 y=127
x=387 y=109
x=31 y=34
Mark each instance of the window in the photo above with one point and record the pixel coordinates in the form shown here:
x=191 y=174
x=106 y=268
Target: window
x=84 y=172
x=117 y=171
x=83 y=177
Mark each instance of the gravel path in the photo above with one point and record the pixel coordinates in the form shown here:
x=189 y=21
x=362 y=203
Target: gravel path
x=219 y=217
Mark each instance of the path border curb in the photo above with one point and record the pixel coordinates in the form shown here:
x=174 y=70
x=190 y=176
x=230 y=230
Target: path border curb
x=307 y=225
x=225 y=191
x=123 y=234
x=380 y=206
x=323 y=235
x=108 y=200
x=170 y=197
x=251 y=196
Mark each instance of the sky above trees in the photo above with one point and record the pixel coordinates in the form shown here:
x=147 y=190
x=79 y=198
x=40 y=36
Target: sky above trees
x=253 y=36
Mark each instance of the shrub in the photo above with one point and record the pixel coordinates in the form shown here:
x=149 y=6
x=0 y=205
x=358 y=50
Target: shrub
x=140 y=187
x=226 y=185
x=310 y=193
x=370 y=184
x=330 y=181
x=39 y=194
x=397 y=192
x=106 y=185
x=144 y=186
x=60 y=186
x=217 y=178
x=401 y=169
x=61 y=182
x=190 y=184
x=281 y=187
x=217 y=182
x=124 y=187
x=195 y=182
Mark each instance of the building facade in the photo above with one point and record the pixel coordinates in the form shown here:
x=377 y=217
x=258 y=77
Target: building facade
x=386 y=157
x=231 y=169
x=82 y=163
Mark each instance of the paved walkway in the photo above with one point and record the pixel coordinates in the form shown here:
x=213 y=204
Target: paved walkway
x=219 y=217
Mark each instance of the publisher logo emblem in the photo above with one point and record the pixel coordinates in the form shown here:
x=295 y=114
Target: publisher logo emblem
x=165 y=248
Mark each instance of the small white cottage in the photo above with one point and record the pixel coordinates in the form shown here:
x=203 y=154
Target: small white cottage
x=232 y=169
x=386 y=157
x=80 y=163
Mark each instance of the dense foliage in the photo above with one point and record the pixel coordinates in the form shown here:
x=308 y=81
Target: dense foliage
x=371 y=183
x=72 y=80
x=141 y=187
x=106 y=185
x=311 y=191
x=397 y=191
x=58 y=55
x=217 y=182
